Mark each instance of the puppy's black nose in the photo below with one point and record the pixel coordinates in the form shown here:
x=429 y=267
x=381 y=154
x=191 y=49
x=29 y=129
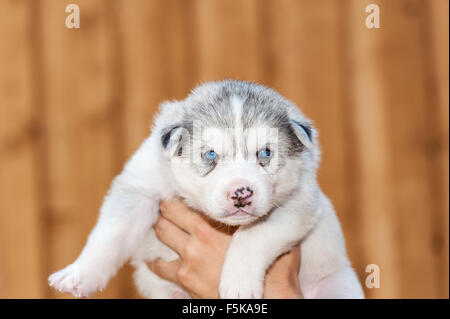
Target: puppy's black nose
x=242 y=196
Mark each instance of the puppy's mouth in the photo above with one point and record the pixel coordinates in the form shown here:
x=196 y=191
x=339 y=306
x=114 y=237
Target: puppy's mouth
x=241 y=212
x=239 y=217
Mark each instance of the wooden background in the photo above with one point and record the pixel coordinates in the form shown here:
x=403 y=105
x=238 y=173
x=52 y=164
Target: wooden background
x=75 y=104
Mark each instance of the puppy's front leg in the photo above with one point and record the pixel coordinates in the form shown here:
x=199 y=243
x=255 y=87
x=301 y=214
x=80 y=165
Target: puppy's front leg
x=128 y=211
x=253 y=250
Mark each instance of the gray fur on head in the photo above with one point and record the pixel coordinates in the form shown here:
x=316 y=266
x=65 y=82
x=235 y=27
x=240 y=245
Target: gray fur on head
x=211 y=105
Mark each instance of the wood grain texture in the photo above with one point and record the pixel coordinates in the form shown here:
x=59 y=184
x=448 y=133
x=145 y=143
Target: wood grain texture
x=22 y=251
x=75 y=104
x=436 y=46
x=79 y=108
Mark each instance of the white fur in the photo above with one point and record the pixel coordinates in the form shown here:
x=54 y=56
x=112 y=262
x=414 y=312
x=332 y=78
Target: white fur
x=287 y=211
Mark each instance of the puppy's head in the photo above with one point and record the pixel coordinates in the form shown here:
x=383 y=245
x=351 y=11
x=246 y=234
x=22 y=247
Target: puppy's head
x=238 y=149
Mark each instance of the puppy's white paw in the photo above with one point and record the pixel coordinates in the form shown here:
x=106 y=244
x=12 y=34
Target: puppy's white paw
x=74 y=280
x=240 y=284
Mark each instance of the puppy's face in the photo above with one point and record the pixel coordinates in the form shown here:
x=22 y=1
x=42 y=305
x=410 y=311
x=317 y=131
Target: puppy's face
x=236 y=158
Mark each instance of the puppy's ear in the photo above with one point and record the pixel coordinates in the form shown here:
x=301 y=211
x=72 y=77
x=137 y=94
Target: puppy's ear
x=171 y=135
x=173 y=138
x=304 y=132
x=167 y=135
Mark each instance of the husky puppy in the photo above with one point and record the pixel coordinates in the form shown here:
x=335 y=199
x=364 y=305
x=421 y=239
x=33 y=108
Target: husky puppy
x=243 y=155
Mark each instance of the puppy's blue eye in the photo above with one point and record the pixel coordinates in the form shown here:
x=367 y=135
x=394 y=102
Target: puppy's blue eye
x=264 y=154
x=210 y=155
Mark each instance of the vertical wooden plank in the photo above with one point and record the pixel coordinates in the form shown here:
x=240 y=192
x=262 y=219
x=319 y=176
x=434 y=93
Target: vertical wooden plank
x=373 y=150
x=435 y=37
x=229 y=40
x=306 y=43
x=80 y=109
x=406 y=98
x=21 y=249
x=352 y=216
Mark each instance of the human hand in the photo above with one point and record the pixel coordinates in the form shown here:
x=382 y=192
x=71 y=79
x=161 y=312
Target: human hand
x=202 y=247
x=281 y=281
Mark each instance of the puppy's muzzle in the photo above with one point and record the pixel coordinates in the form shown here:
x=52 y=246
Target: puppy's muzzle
x=240 y=198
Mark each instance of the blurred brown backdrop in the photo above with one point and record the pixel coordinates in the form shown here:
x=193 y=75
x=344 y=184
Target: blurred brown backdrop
x=75 y=104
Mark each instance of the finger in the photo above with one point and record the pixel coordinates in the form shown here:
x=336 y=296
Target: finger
x=171 y=235
x=165 y=269
x=294 y=261
x=295 y=257
x=181 y=215
x=297 y=254
x=291 y=259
